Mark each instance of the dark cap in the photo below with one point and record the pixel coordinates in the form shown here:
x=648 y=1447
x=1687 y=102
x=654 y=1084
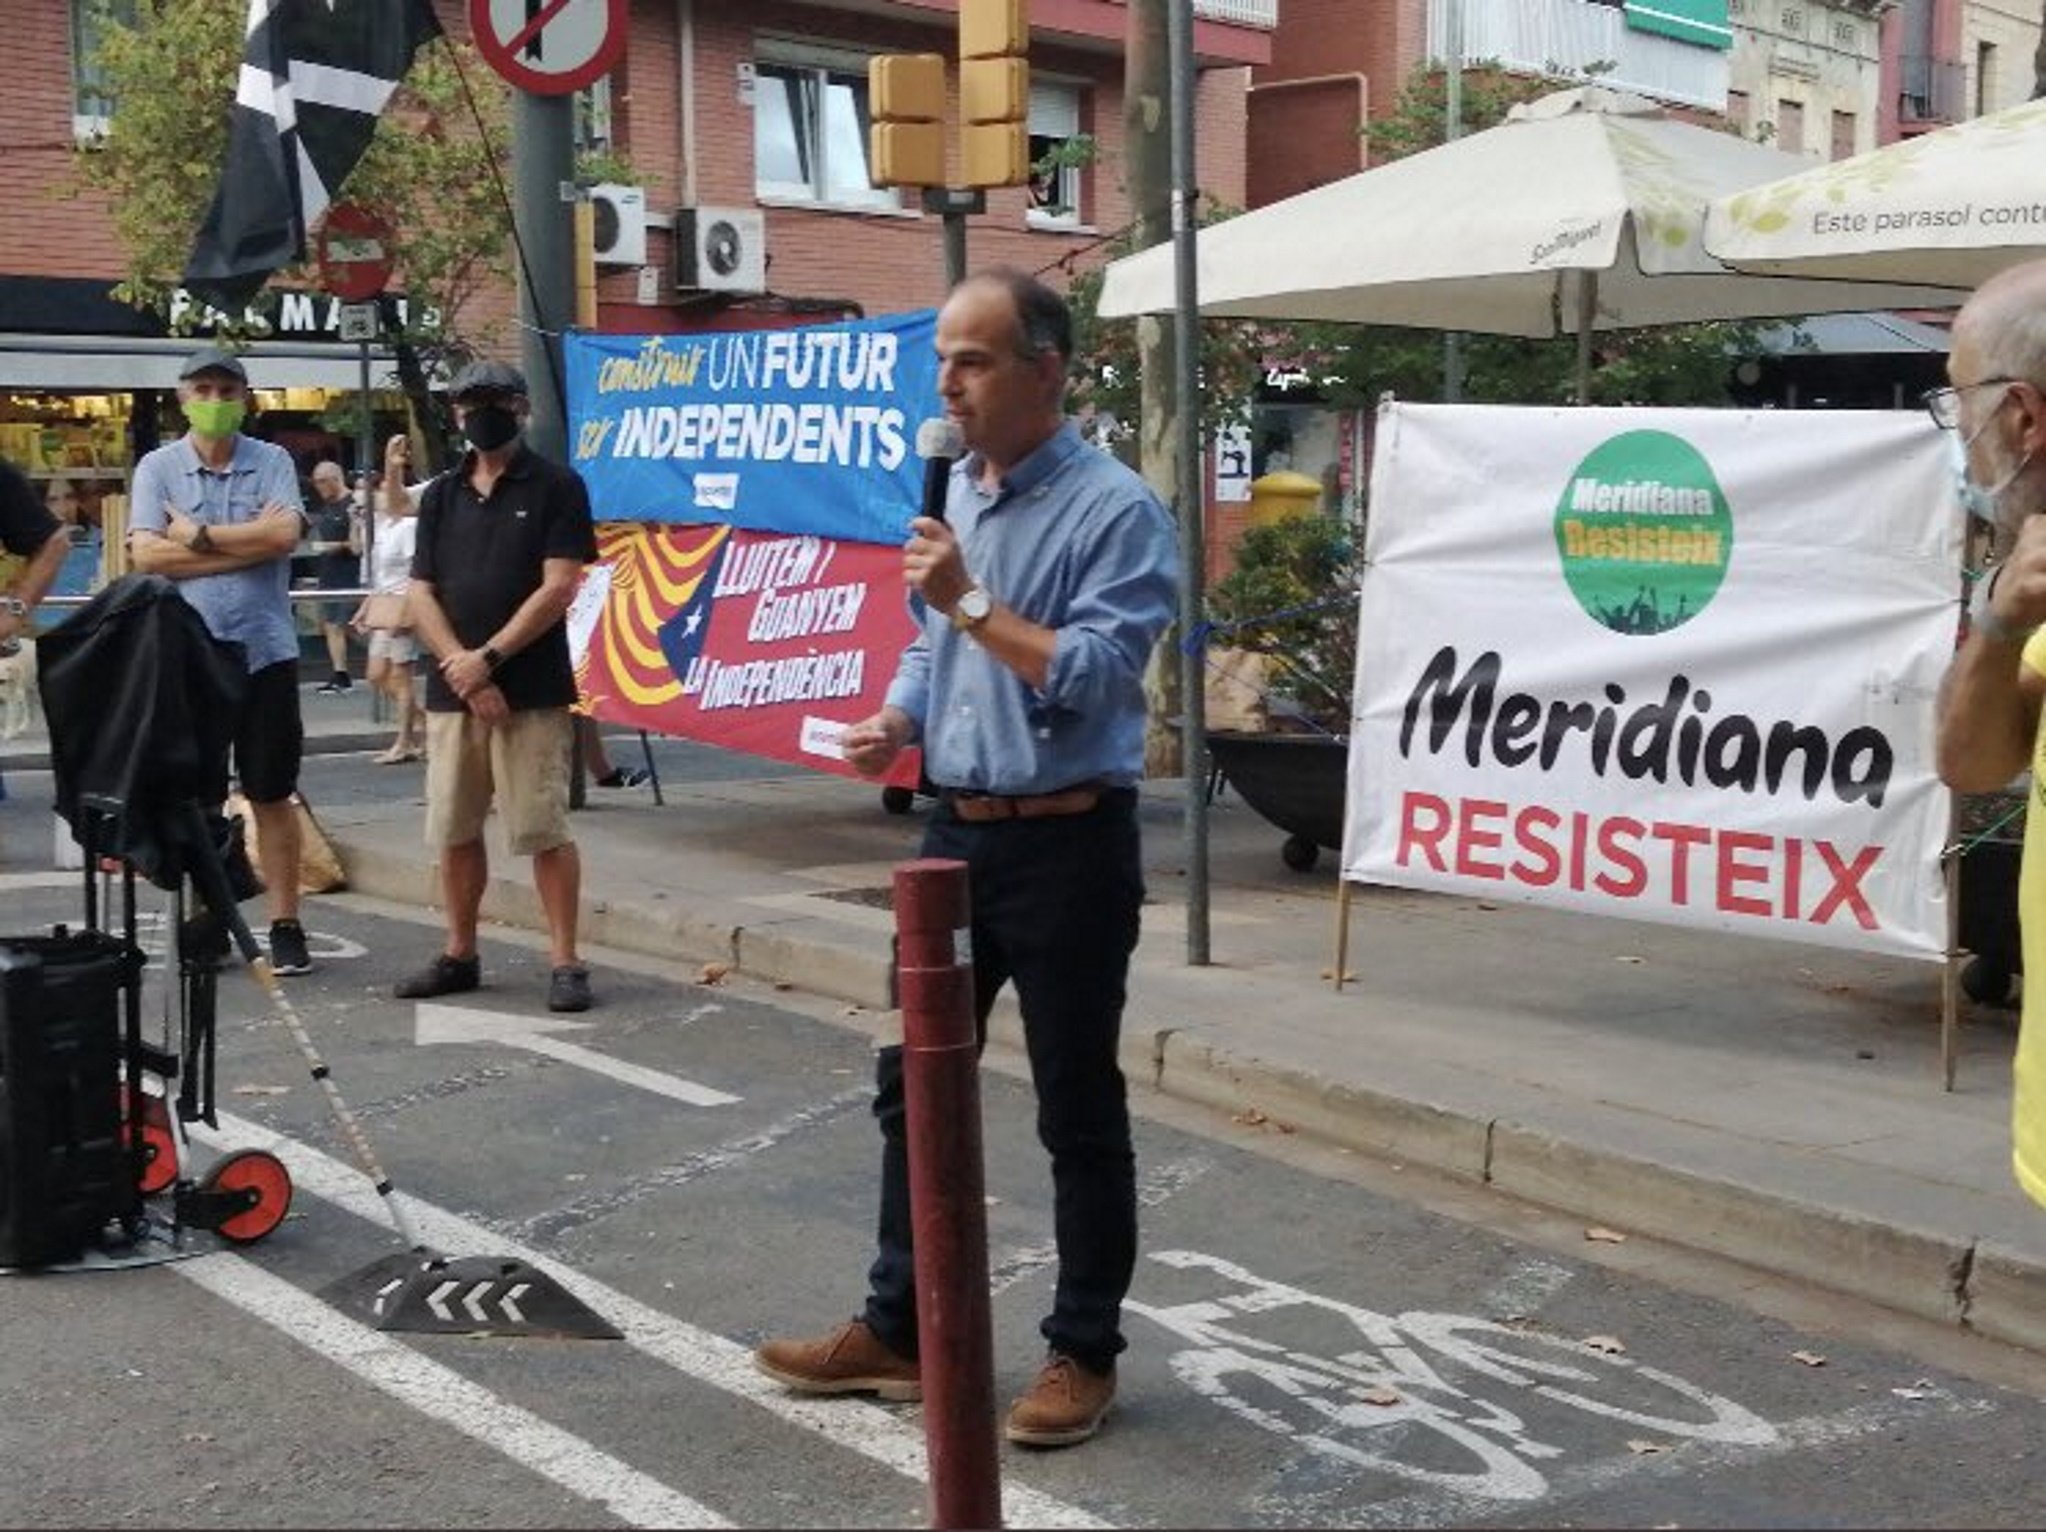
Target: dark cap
x=488 y=378
x=213 y=359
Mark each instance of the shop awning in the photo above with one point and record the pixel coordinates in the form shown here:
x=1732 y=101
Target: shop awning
x=111 y=363
x=1691 y=21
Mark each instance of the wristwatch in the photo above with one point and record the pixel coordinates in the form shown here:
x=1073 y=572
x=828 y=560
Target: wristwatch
x=491 y=657
x=202 y=539
x=14 y=607
x=972 y=609
x=1982 y=616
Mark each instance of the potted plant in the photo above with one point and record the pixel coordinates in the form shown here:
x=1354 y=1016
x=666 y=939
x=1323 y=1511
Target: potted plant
x=1292 y=601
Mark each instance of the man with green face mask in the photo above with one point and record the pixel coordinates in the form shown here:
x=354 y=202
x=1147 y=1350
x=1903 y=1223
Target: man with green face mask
x=220 y=513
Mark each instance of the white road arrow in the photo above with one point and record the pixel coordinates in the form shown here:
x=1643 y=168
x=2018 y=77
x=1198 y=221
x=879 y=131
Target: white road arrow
x=437 y=1300
x=434 y=1023
x=473 y=1300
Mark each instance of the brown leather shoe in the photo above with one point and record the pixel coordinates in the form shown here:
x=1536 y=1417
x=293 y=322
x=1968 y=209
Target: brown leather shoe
x=1064 y=1406
x=850 y=1360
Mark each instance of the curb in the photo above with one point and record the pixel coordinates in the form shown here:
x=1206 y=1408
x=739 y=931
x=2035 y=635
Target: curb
x=1966 y=1283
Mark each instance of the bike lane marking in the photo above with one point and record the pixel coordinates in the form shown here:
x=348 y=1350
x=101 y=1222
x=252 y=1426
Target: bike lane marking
x=442 y=1394
x=711 y=1359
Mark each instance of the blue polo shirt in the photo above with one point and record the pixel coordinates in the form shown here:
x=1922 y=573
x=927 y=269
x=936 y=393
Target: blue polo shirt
x=1076 y=542
x=250 y=607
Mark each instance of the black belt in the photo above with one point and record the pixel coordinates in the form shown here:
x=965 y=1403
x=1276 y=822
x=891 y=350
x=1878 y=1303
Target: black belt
x=986 y=808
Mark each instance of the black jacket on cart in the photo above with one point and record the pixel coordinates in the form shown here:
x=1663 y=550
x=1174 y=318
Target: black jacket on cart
x=141 y=701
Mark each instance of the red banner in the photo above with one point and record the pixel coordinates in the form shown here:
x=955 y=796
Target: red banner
x=764 y=642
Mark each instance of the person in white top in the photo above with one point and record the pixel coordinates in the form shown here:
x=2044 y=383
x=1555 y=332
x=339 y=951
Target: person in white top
x=392 y=649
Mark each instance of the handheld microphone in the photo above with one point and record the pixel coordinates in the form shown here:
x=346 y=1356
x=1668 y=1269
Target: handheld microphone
x=940 y=443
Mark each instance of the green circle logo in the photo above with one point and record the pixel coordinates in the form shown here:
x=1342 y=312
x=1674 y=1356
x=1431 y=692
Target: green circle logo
x=1644 y=533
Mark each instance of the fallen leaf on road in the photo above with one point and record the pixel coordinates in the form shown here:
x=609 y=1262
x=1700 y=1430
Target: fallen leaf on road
x=1379 y=1394
x=1642 y=1449
x=1611 y=1345
x=1912 y=1393
x=262 y=1090
x=1486 y=904
x=783 y=984
x=1250 y=1117
x=1809 y=1358
x=1624 y=959
x=713 y=973
x=1605 y=1236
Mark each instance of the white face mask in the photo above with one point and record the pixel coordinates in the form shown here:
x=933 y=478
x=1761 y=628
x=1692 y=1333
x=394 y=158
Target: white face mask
x=1984 y=504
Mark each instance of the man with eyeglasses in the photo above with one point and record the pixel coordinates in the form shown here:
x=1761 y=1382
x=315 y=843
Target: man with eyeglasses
x=1989 y=701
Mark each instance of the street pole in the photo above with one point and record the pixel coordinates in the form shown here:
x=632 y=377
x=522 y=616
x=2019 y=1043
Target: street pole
x=947 y=1192
x=365 y=447
x=543 y=193
x=1452 y=129
x=953 y=205
x=1192 y=506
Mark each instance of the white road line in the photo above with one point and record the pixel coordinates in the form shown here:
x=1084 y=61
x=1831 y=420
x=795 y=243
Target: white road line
x=855 y=1426
x=1679 y=1460
x=444 y=1394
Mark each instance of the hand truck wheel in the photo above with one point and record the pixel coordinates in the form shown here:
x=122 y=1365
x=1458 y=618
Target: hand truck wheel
x=159 y=1143
x=258 y=1187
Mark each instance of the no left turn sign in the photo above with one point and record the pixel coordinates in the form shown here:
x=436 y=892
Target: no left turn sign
x=549 y=47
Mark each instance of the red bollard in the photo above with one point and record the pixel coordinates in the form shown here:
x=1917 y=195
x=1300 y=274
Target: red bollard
x=947 y=1192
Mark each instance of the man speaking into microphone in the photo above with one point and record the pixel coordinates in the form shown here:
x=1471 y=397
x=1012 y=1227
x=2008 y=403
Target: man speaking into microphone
x=1046 y=572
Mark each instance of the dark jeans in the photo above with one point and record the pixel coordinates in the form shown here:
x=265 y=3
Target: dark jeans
x=1055 y=908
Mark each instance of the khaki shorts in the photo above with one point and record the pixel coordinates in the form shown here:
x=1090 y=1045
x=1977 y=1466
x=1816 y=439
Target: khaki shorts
x=398 y=648
x=522 y=763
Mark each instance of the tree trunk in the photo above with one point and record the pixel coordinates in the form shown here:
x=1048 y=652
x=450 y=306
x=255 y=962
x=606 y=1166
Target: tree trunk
x=1147 y=135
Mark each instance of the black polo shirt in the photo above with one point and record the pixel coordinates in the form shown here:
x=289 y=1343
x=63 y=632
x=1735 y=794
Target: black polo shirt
x=485 y=557
x=25 y=522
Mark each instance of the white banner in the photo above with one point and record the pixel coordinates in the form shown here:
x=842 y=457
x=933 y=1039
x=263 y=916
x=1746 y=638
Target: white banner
x=1674 y=665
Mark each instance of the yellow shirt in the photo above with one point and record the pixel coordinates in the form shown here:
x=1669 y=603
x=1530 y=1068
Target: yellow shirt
x=2028 y=1072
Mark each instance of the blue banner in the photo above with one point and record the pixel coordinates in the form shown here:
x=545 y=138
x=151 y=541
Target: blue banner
x=807 y=430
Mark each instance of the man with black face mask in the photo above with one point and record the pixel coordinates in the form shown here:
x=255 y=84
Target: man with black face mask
x=1989 y=703
x=501 y=542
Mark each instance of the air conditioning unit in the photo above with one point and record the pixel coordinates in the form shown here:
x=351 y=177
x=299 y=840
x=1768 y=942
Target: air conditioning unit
x=721 y=250
x=620 y=218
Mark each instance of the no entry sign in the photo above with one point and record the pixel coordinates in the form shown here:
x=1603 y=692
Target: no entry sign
x=354 y=252
x=550 y=47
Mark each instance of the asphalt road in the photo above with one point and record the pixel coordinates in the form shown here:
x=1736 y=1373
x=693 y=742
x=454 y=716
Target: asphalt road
x=1312 y=1342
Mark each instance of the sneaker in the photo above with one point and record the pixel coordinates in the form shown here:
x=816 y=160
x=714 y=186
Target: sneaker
x=443 y=976
x=287 y=948
x=1063 y=1407
x=850 y=1360
x=568 y=988
x=336 y=685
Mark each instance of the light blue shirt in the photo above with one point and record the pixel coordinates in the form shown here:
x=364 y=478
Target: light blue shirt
x=1074 y=541
x=250 y=607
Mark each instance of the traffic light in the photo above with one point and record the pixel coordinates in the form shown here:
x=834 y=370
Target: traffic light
x=994 y=92
x=906 y=143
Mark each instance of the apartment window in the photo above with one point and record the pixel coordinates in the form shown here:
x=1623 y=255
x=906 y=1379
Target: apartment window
x=1985 y=78
x=810 y=124
x=91 y=105
x=1054 y=124
x=1843 y=135
x=1790 y=126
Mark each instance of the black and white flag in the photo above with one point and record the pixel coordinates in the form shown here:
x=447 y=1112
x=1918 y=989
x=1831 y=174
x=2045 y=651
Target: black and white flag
x=315 y=76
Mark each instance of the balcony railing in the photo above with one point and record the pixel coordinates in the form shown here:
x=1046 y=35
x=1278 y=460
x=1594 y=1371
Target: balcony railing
x=1535 y=36
x=1263 y=14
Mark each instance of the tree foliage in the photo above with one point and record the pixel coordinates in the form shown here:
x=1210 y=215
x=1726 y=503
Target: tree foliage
x=434 y=166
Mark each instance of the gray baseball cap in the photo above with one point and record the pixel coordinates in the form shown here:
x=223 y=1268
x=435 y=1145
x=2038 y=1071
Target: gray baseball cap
x=213 y=359
x=488 y=378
